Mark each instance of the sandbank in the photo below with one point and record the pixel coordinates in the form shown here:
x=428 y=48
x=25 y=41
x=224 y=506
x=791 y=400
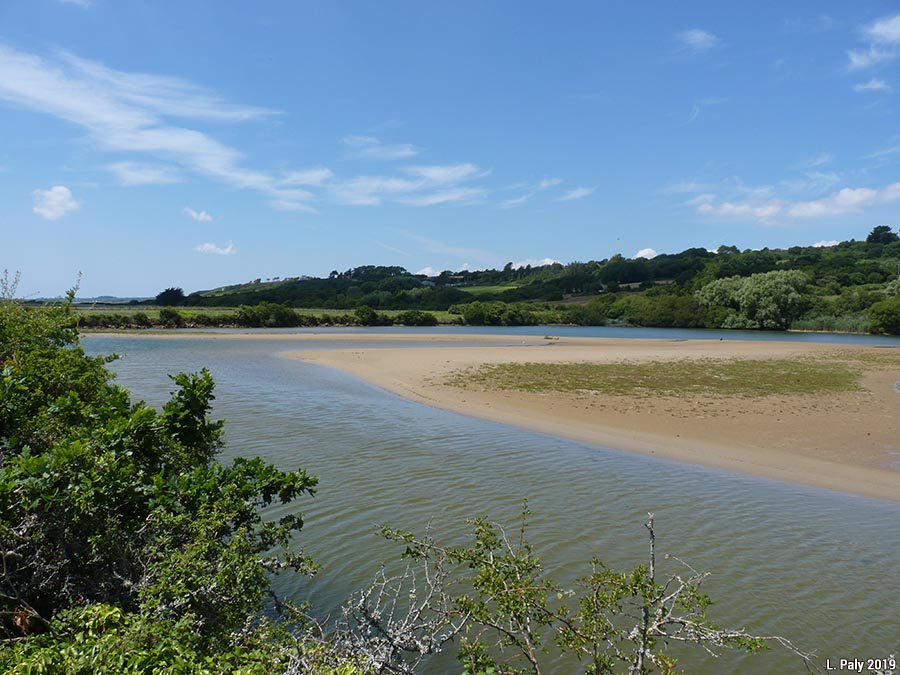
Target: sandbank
x=848 y=442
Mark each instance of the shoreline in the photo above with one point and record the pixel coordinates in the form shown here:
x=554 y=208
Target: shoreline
x=846 y=442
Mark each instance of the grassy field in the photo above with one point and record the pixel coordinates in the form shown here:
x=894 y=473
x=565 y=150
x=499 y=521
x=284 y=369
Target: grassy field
x=706 y=377
x=150 y=311
x=478 y=291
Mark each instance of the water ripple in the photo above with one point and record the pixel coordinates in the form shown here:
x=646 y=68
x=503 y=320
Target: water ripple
x=809 y=564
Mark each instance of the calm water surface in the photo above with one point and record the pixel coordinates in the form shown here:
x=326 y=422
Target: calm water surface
x=818 y=567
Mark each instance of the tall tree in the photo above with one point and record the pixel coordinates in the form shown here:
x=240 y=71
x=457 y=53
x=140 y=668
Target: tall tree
x=170 y=296
x=882 y=234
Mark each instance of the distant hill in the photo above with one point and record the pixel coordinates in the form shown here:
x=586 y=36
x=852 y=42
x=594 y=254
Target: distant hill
x=851 y=286
x=100 y=299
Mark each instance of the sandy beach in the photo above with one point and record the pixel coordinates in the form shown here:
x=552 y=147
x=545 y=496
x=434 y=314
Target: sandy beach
x=848 y=441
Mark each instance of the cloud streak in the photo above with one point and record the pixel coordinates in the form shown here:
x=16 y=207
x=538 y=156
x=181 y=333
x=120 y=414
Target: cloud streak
x=199 y=216
x=846 y=200
x=135 y=173
x=885 y=30
x=696 y=40
x=212 y=249
x=420 y=186
x=882 y=35
x=873 y=85
x=577 y=193
x=369 y=147
x=132 y=112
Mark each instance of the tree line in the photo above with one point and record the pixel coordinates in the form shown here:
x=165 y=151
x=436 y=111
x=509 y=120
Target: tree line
x=852 y=286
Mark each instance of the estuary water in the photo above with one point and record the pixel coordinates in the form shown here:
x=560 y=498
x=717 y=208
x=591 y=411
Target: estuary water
x=820 y=568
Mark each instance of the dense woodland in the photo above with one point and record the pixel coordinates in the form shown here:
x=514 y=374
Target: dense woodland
x=853 y=286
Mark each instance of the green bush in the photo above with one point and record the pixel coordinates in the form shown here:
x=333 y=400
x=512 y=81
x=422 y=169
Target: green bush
x=103 y=500
x=884 y=316
x=171 y=318
x=415 y=317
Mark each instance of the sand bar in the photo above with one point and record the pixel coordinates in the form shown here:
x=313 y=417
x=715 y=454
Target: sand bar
x=848 y=442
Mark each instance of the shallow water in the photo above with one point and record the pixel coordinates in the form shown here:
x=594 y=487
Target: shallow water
x=818 y=567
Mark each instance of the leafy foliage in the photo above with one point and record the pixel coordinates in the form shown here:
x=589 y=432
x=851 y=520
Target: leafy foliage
x=885 y=316
x=514 y=620
x=882 y=234
x=770 y=300
x=169 y=297
x=107 y=501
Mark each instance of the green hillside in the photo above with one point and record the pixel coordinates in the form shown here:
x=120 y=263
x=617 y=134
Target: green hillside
x=850 y=286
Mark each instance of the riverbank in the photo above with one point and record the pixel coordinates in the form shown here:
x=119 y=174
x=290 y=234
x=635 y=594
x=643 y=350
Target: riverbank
x=847 y=441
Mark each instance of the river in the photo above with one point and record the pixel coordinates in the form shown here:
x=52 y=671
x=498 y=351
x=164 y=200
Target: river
x=815 y=566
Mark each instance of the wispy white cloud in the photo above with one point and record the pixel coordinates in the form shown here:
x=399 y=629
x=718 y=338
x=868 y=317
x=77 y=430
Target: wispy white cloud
x=532 y=190
x=881 y=35
x=212 y=249
x=84 y=4
x=157 y=123
x=686 y=187
x=428 y=272
x=696 y=40
x=535 y=262
x=514 y=202
x=816 y=161
x=577 y=193
x=370 y=190
x=884 y=152
x=885 y=30
x=874 y=84
x=54 y=203
x=824 y=244
x=766 y=211
x=847 y=200
x=763 y=211
x=370 y=147
x=128 y=112
x=421 y=186
x=647 y=253
x=460 y=195
x=549 y=183
x=813 y=183
x=698 y=106
x=314 y=177
x=200 y=216
x=451 y=173
x=391 y=248
x=134 y=173
x=159 y=94
x=859 y=59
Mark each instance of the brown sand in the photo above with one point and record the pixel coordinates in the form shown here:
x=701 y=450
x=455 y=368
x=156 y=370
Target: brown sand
x=843 y=442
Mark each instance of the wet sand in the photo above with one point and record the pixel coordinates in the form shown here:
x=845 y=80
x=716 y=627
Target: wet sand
x=848 y=442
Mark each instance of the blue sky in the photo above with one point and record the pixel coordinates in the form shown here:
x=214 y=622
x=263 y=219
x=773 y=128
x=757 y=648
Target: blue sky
x=150 y=144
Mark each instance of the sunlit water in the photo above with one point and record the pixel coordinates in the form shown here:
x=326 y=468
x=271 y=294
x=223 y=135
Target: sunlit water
x=818 y=567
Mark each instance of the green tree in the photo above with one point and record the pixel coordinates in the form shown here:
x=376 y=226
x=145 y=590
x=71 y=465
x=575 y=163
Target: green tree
x=882 y=234
x=170 y=297
x=103 y=500
x=769 y=300
x=884 y=316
